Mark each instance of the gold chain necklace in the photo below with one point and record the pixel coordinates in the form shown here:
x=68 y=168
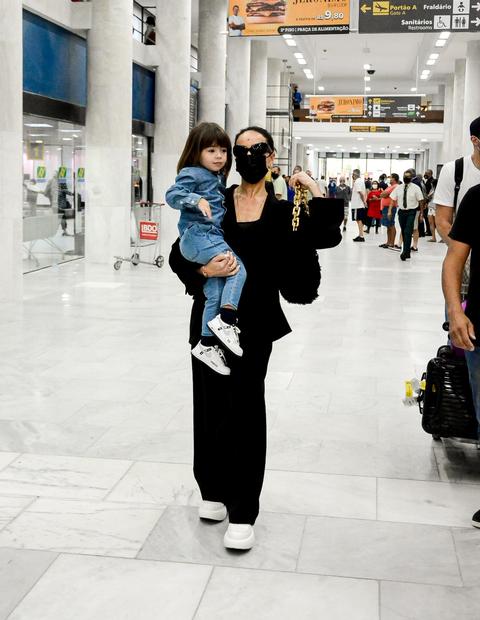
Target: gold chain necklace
x=301 y=194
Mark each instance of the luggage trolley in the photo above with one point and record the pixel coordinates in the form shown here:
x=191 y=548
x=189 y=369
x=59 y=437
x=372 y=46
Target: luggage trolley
x=147 y=223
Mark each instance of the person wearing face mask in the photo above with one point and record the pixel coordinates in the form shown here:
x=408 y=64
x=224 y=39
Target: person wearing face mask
x=408 y=198
x=374 y=213
x=229 y=413
x=279 y=185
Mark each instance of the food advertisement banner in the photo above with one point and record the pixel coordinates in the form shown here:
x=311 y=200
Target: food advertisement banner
x=250 y=18
x=326 y=107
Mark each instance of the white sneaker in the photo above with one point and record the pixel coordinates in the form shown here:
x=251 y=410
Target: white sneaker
x=213 y=357
x=227 y=334
x=215 y=511
x=239 y=536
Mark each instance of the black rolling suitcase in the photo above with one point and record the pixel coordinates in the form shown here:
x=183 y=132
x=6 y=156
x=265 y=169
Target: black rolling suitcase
x=445 y=401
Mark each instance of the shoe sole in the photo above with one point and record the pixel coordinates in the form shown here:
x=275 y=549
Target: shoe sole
x=243 y=545
x=476 y=524
x=225 y=344
x=213 y=515
x=218 y=371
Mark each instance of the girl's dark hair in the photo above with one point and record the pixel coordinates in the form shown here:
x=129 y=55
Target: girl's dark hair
x=395 y=176
x=260 y=130
x=202 y=137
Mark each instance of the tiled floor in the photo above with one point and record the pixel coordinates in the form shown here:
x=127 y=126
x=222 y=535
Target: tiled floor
x=363 y=518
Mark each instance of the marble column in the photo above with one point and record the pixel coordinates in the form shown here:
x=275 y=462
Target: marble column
x=172 y=105
x=447 y=121
x=212 y=52
x=456 y=147
x=11 y=175
x=109 y=131
x=258 y=83
x=471 y=109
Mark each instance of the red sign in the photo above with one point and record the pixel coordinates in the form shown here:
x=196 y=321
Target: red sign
x=149 y=230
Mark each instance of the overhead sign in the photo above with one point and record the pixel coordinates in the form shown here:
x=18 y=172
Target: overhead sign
x=410 y=16
x=325 y=107
x=393 y=107
x=273 y=17
x=369 y=129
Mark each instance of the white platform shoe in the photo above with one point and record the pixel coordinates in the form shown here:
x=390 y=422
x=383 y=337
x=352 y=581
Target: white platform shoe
x=215 y=511
x=239 y=536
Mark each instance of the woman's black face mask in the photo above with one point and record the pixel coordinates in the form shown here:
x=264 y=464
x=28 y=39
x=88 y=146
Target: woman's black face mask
x=251 y=161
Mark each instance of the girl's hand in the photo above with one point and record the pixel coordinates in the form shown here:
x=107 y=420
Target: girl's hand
x=205 y=208
x=307 y=182
x=222 y=266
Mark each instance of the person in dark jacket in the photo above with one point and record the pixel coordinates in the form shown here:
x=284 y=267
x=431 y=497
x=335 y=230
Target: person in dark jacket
x=229 y=413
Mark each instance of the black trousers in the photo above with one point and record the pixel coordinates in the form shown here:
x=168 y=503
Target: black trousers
x=230 y=431
x=406 y=219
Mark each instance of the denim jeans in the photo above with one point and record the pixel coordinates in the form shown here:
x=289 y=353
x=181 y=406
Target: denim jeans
x=199 y=244
x=473 y=363
x=406 y=219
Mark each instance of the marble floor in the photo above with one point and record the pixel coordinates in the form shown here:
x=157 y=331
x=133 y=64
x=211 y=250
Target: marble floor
x=363 y=517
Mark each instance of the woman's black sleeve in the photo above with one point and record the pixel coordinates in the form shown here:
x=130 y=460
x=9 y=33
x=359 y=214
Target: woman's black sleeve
x=186 y=271
x=326 y=216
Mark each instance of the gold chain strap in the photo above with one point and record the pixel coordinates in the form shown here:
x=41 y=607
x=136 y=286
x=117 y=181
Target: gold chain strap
x=301 y=194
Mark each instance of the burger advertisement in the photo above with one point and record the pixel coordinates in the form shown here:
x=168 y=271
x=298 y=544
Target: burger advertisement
x=325 y=107
x=275 y=17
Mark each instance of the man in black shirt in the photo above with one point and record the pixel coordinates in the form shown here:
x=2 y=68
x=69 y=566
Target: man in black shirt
x=465 y=325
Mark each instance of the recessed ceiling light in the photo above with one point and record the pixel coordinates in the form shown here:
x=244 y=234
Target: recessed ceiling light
x=298 y=55
x=287 y=36
x=290 y=42
x=397 y=146
x=367 y=89
x=440 y=43
x=309 y=76
x=38 y=141
x=74 y=131
x=339 y=146
x=366 y=78
x=38 y=135
x=444 y=35
x=426 y=71
x=434 y=56
x=301 y=61
x=297 y=137
x=430 y=62
x=321 y=88
x=424 y=140
x=424 y=76
x=67 y=139
x=37 y=125
x=414 y=89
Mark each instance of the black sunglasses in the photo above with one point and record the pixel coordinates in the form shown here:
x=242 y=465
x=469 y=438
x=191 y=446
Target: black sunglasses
x=261 y=148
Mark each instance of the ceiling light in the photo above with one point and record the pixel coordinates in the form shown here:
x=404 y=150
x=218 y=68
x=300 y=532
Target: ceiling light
x=339 y=146
x=444 y=35
x=309 y=76
x=287 y=36
x=37 y=135
x=74 y=131
x=427 y=71
x=430 y=62
x=74 y=136
x=301 y=61
x=424 y=77
x=367 y=78
x=290 y=42
x=321 y=88
x=298 y=55
x=309 y=144
x=67 y=138
x=434 y=56
x=397 y=146
x=367 y=89
x=37 y=125
x=366 y=67
x=38 y=141
x=413 y=89
x=297 y=137
x=424 y=140
x=440 y=43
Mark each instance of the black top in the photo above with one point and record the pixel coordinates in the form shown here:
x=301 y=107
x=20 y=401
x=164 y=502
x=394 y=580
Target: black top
x=465 y=229
x=260 y=245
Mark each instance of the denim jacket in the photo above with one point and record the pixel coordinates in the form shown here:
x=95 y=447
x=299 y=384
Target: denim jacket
x=191 y=184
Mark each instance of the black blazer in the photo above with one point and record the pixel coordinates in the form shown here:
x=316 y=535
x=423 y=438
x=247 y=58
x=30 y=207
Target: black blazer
x=272 y=255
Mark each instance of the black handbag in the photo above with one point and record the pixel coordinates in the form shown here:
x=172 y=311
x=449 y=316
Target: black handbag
x=446 y=403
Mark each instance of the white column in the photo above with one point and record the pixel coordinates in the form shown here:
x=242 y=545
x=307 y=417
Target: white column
x=109 y=131
x=172 y=105
x=274 y=80
x=447 y=121
x=434 y=155
x=238 y=84
x=258 y=83
x=458 y=104
x=11 y=188
x=438 y=98
x=471 y=109
x=298 y=155
x=212 y=52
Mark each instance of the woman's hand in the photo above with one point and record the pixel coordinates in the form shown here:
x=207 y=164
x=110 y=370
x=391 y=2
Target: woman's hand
x=307 y=182
x=221 y=266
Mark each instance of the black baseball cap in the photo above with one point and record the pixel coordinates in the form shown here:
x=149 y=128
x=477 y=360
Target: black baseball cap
x=475 y=128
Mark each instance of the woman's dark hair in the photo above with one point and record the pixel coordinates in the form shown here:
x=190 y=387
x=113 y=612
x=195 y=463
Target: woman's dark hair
x=395 y=176
x=150 y=20
x=203 y=136
x=260 y=130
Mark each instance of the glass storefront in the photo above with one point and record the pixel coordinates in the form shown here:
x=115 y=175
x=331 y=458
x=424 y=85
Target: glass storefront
x=53 y=192
x=370 y=166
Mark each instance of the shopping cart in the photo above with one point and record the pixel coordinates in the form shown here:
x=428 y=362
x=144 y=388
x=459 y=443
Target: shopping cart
x=147 y=223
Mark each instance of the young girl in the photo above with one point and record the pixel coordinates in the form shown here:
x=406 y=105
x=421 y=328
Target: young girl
x=198 y=193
